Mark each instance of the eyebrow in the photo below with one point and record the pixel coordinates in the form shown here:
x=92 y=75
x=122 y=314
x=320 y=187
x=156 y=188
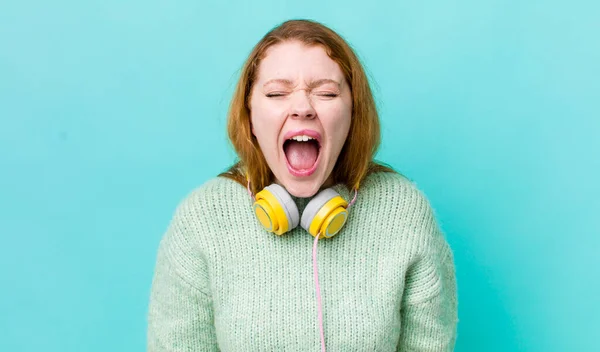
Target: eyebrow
x=312 y=84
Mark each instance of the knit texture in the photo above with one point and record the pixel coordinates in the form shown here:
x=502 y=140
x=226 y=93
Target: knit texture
x=222 y=283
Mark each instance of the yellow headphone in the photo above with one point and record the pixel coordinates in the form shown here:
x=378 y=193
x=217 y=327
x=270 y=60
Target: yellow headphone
x=276 y=211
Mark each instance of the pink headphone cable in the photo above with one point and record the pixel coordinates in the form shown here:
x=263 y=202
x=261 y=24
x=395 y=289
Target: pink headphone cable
x=317 y=287
x=353 y=199
x=250 y=191
x=318 y=291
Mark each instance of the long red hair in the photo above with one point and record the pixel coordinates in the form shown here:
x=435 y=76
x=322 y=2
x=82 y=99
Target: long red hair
x=356 y=157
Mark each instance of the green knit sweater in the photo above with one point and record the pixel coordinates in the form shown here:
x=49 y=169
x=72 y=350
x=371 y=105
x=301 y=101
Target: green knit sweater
x=222 y=283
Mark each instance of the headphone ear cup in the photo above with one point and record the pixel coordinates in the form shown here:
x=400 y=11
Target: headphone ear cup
x=275 y=210
x=325 y=214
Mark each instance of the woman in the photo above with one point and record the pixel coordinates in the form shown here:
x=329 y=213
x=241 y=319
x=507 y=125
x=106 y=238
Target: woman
x=234 y=269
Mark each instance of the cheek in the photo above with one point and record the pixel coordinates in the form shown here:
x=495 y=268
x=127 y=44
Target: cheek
x=265 y=121
x=262 y=111
x=337 y=122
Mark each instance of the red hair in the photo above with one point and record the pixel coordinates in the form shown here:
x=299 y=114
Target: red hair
x=356 y=157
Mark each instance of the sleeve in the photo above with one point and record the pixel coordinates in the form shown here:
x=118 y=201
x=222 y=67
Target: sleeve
x=180 y=315
x=430 y=306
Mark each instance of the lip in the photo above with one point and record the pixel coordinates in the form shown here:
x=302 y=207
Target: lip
x=311 y=133
x=307 y=172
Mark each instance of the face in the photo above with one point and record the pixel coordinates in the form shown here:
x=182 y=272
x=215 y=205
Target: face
x=301 y=107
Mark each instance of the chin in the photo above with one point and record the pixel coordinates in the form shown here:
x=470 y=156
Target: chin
x=302 y=189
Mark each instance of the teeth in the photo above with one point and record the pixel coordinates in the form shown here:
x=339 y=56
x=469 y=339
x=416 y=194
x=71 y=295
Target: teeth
x=302 y=138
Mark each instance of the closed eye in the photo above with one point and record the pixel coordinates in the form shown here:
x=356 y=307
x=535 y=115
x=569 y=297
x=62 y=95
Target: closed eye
x=274 y=95
x=328 y=95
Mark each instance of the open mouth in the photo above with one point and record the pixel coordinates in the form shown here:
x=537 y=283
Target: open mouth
x=302 y=153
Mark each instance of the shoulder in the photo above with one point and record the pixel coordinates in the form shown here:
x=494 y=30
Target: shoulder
x=215 y=188
x=210 y=201
x=191 y=231
x=406 y=208
x=199 y=219
x=395 y=189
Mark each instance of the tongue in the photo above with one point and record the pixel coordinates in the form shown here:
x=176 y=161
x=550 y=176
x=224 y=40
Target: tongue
x=301 y=155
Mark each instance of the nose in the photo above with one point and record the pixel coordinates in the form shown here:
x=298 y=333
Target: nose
x=301 y=107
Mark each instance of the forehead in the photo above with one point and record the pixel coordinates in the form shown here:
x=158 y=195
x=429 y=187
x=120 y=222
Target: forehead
x=295 y=60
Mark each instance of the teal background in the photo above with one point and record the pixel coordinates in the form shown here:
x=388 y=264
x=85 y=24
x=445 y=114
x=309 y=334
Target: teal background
x=112 y=111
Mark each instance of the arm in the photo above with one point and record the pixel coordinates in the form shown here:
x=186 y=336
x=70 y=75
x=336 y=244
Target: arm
x=429 y=307
x=180 y=316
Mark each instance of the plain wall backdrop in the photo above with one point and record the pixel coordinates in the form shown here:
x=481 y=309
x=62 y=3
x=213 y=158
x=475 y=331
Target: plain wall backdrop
x=112 y=111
